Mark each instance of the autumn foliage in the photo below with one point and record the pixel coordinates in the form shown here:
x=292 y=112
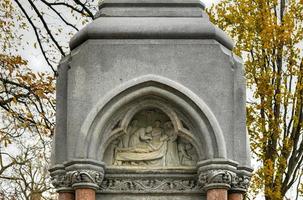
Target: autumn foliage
x=269 y=38
x=27 y=105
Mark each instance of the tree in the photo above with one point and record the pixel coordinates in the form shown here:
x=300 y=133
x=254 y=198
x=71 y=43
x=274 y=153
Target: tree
x=269 y=37
x=27 y=99
x=27 y=106
x=52 y=34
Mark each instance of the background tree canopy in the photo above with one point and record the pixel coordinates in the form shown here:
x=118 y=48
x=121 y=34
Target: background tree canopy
x=268 y=35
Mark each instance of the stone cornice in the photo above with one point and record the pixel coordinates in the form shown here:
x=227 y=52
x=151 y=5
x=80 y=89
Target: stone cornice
x=217 y=173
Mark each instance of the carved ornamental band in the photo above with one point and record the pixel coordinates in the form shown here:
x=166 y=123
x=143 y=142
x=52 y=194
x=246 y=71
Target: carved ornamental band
x=81 y=178
x=224 y=179
x=150 y=185
x=206 y=180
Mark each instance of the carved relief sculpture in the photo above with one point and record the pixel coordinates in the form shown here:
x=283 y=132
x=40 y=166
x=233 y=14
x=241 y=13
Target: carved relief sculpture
x=151 y=140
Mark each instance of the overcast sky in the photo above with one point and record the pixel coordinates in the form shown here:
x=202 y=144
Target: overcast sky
x=209 y=2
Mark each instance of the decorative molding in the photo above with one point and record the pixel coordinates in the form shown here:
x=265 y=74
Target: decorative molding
x=86 y=178
x=212 y=174
x=224 y=179
x=61 y=182
x=90 y=142
x=240 y=183
x=216 y=179
x=77 y=178
x=81 y=173
x=130 y=184
x=150 y=185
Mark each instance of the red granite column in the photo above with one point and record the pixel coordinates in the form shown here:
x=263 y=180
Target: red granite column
x=235 y=196
x=85 y=194
x=217 y=194
x=66 y=196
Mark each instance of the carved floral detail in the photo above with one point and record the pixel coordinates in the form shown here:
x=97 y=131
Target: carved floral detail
x=240 y=182
x=75 y=177
x=61 y=181
x=235 y=181
x=86 y=176
x=153 y=185
x=216 y=176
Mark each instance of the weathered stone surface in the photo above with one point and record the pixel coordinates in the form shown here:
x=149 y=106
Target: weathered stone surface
x=66 y=196
x=150 y=8
x=85 y=194
x=151 y=105
x=150 y=140
x=149 y=197
x=217 y=194
x=235 y=196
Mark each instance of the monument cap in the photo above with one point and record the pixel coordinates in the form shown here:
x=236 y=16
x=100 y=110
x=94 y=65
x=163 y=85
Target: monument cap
x=151 y=8
x=151 y=19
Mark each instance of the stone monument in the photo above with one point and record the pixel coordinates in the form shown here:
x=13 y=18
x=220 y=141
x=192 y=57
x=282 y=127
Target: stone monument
x=151 y=106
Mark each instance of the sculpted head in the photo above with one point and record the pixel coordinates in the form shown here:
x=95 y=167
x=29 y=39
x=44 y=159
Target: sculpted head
x=149 y=129
x=157 y=124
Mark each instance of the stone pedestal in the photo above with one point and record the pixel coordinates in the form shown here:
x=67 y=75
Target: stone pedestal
x=151 y=106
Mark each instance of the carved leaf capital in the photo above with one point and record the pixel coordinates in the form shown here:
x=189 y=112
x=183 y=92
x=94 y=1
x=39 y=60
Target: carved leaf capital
x=224 y=178
x=86 y=176
x=216 y=177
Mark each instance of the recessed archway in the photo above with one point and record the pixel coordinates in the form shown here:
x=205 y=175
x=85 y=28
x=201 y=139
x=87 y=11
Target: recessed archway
x=96 y=129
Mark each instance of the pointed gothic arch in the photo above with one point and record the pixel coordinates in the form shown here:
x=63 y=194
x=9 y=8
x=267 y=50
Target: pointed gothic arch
x=167 y=95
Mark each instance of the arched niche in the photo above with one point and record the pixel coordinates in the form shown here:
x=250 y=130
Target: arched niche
x=191 y=118
x=151 y=134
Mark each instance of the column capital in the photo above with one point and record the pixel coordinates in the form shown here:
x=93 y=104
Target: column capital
x=86 y=179
x=75 y=174
x=241 y=180
x=223 y=174
x=60 y=180
x=216 y=179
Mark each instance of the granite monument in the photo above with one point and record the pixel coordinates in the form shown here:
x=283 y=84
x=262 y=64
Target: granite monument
x=151 y=105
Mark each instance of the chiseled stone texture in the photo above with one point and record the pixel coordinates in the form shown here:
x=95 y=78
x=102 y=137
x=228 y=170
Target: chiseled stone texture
x=149 y=197
x=151 y=56
x=203 y=66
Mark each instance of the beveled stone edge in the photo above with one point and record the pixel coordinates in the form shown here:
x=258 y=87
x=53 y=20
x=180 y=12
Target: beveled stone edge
x=150 y=3
x=149 y=28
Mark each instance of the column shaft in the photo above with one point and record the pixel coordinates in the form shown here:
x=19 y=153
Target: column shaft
x=217 y=194
x=85 y=194
x=235 y=196
x=66 y=196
